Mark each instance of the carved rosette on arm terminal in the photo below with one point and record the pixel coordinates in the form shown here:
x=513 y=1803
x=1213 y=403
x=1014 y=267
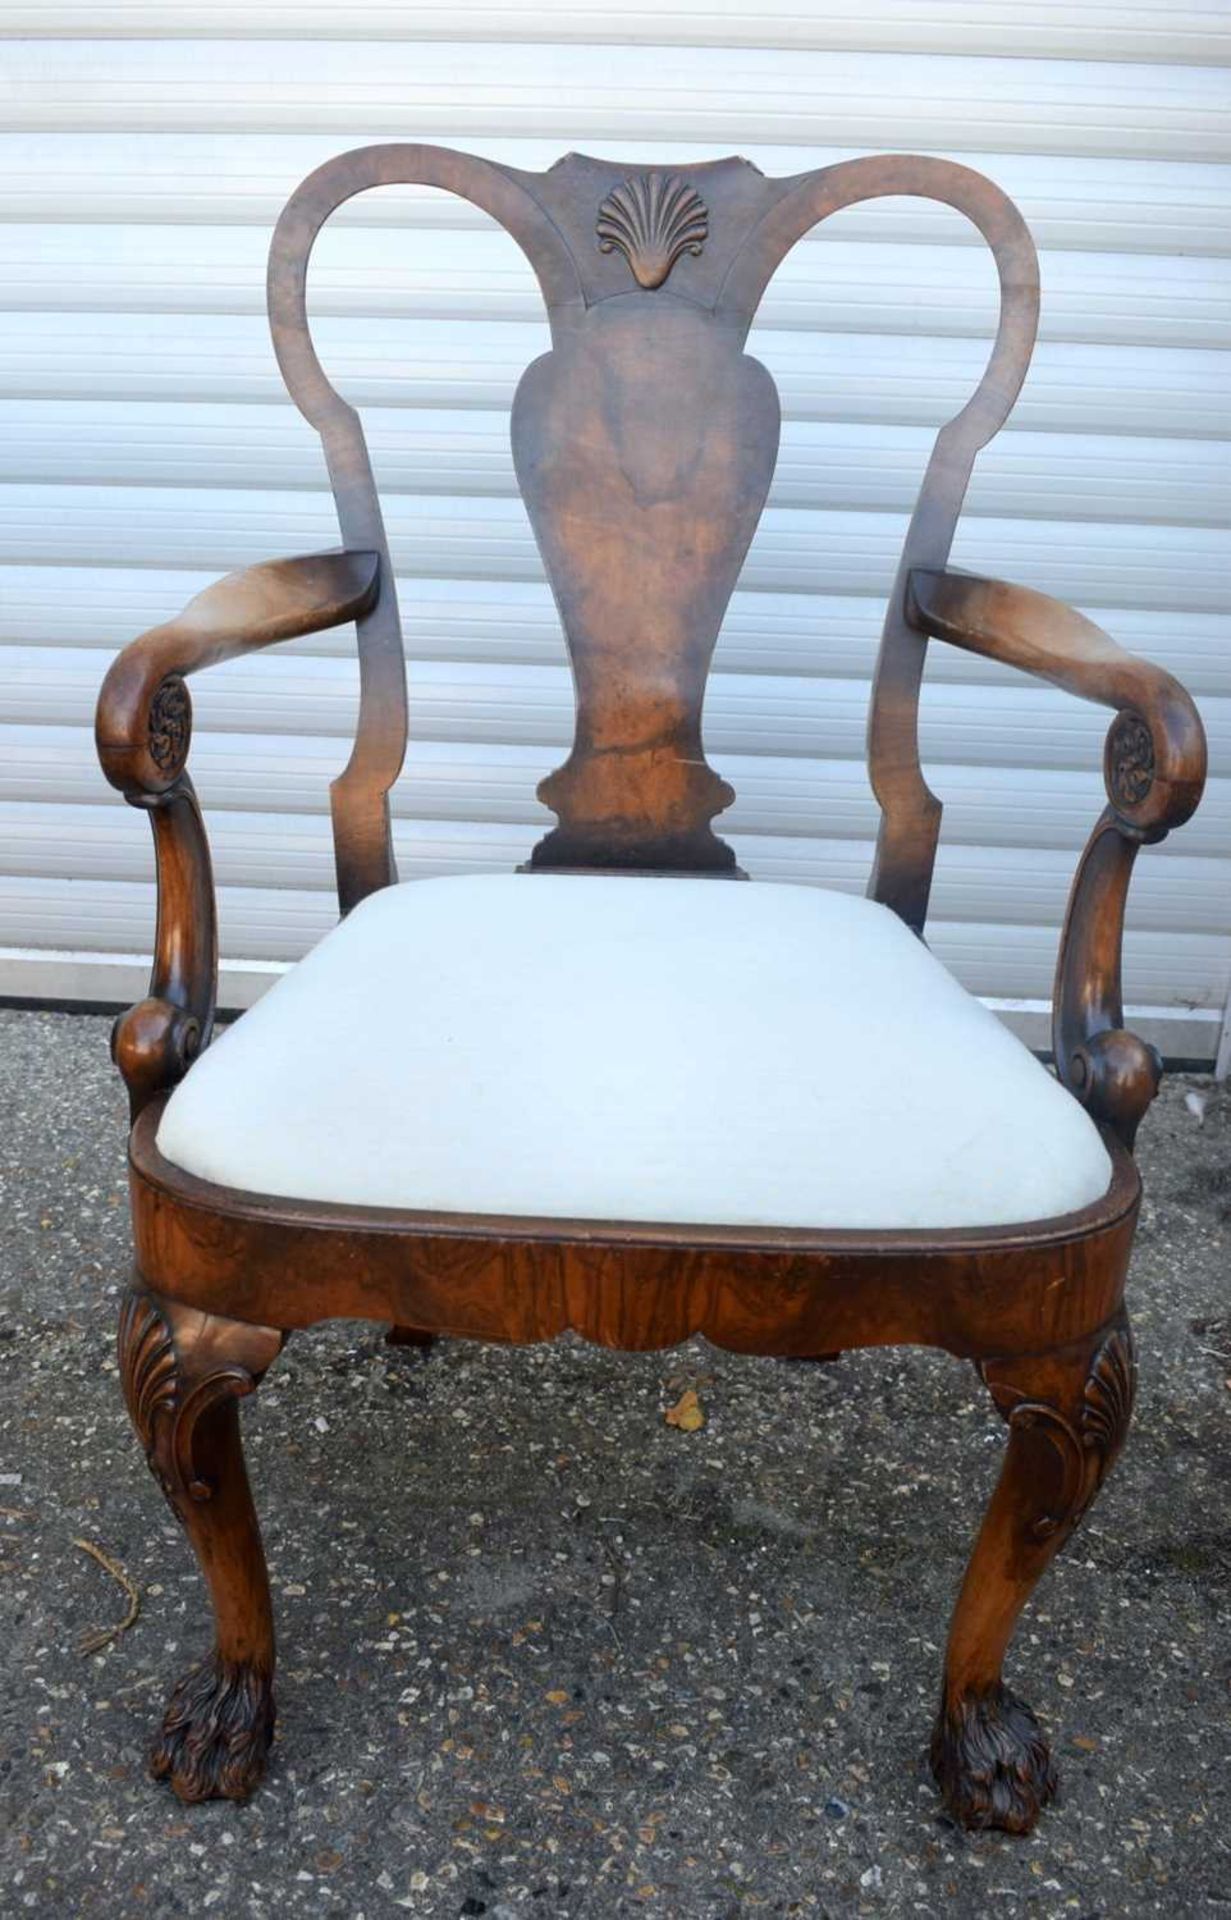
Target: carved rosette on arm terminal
x=1129 y=763
x=170 y=726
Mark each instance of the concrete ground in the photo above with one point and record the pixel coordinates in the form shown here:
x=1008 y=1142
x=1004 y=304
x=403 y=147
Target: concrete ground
x=543 y=1654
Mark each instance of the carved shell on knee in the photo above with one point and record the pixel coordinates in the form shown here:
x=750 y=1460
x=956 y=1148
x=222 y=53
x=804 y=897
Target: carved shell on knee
x=1087 y=1445
x=652 y=219
x=1107 y=1402
x=148 y=1366
x=164 y=1405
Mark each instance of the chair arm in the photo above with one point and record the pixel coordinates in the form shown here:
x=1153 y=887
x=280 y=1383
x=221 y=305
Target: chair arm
x=144 y=717
x=1154 y=767
x=143 y=729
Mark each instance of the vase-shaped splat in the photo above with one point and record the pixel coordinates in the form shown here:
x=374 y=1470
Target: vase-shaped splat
x=644 y=444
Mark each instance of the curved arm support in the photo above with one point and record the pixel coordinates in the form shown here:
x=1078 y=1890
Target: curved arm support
x=1113 y=1072
x=143 y=730
x=1154 y=770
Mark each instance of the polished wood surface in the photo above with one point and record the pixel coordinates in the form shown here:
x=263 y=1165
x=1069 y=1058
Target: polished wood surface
x=644 y=442
x=1154 y=767
x=910 y=812
x=143 y=731
x=1068 y=1414
x=183 y=1373
x=628 y=1285
x=1155 y=762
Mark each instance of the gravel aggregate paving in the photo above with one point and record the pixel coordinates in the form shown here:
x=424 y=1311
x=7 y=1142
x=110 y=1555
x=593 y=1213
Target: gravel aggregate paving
x=544 y=1653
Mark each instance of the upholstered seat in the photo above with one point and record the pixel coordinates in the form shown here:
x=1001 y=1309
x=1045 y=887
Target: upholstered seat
x=625 y=1048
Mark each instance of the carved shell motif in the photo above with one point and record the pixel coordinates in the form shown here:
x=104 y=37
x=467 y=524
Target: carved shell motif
x=165 y=1405
x=652 y=218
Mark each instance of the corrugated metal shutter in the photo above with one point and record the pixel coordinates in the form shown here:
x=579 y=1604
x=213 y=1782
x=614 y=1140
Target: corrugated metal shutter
x=147 y=147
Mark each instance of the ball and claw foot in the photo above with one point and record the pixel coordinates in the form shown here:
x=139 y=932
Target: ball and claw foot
x=216 y=1732
x=992 y=1762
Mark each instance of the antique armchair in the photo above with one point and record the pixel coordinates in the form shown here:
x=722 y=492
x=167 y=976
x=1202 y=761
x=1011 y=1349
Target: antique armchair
x=619 y=1091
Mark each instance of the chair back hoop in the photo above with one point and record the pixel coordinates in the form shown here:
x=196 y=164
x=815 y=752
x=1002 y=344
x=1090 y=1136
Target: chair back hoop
x=645 y=444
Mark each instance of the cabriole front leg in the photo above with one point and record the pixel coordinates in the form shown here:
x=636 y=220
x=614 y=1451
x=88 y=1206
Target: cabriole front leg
x=1068 y=1412
x=184 y=1373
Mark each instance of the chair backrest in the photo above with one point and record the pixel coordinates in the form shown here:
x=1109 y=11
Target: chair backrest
x=644 y=444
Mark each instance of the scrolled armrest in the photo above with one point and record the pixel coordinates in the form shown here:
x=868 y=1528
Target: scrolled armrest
x=1154 y=764
x=143 y=723
x=1154 y=761
x=143 y=730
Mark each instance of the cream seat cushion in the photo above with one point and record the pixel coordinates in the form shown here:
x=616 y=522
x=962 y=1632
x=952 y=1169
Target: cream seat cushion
x=625 y=1048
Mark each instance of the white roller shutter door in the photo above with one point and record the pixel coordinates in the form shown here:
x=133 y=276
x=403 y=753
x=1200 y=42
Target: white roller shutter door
x=146 y=443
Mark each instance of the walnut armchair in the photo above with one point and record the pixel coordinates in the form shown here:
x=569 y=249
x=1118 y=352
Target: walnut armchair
x=619 y=1091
